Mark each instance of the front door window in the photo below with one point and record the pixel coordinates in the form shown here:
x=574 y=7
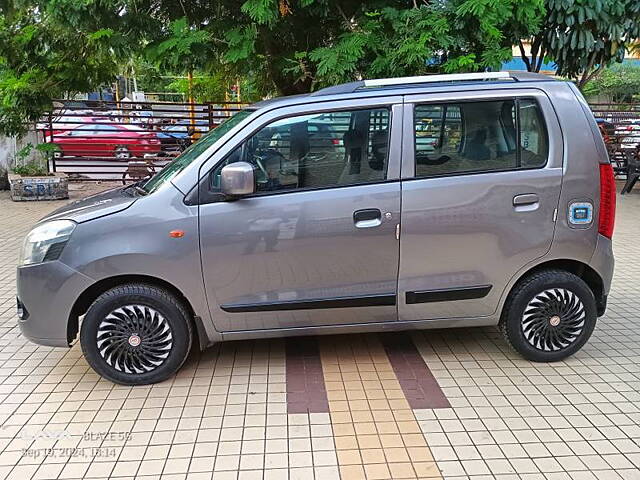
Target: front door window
x=317 y=151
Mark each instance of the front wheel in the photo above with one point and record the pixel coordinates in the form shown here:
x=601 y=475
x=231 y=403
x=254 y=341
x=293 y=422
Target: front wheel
x=136 y=334
x=549 y=315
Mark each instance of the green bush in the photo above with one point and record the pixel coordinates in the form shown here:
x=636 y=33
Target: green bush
x=30 y=169
x=33 y=168
x=620 y=82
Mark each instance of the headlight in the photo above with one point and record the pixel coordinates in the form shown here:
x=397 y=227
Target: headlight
x=45 y=242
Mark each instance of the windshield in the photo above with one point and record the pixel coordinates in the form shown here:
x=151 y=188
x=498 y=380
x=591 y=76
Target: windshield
x=193 y=152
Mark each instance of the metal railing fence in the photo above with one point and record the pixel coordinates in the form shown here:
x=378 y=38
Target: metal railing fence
x=619 y=124
x=120 y=140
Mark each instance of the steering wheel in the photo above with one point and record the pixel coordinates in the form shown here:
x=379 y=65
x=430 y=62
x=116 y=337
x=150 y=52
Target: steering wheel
x=266 y=157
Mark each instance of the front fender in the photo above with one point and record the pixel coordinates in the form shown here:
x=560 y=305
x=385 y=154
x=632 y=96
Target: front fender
x=136 y=242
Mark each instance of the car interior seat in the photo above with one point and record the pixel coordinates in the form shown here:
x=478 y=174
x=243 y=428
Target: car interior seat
x=476 y=148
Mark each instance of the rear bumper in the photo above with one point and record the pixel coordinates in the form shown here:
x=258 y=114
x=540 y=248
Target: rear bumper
x=603 y=262
x=46 y=295
x=601 y=304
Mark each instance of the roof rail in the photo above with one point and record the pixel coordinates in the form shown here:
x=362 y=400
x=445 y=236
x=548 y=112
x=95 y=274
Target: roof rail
x=454 y=77
x=352 y=87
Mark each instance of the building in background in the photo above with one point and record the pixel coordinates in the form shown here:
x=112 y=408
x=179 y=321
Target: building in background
x=517 y=64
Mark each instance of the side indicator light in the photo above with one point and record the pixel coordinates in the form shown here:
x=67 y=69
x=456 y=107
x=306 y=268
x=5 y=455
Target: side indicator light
x=176 y=233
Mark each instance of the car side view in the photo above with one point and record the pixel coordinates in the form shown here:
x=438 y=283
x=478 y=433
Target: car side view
x=106 y=140
x=392 y=204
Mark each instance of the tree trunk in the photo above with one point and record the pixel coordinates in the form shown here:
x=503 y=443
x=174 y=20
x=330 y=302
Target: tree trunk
x=524 y=56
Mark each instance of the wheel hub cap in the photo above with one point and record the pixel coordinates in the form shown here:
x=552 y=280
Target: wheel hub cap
x=553 y=319
x=134 y=339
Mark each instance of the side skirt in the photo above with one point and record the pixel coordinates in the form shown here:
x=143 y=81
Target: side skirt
x=362 y=328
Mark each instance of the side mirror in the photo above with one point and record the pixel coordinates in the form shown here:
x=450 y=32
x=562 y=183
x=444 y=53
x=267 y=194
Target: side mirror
x=237 y=179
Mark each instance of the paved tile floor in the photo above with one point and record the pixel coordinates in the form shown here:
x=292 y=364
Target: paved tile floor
x=436 y=404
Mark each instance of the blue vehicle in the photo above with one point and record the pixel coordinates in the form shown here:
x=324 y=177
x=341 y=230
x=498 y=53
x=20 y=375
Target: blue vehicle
x=179 y=136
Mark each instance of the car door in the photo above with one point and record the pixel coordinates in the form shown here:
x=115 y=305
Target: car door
x=78 y=141
x=107 y=138
x=480 y=190
x=316 y=244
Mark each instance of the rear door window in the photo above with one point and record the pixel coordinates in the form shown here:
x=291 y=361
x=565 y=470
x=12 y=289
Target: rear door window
x=474 y=137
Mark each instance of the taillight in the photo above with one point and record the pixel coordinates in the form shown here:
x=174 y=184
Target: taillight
x=335 y=141
x=607 y=215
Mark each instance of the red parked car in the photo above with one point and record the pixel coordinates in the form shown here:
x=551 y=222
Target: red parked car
x=106 y=140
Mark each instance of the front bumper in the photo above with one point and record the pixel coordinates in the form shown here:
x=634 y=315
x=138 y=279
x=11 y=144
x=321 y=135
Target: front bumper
x=47 y=292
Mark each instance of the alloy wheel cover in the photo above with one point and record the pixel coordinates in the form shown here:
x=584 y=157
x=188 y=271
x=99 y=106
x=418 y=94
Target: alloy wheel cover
x=134 y=339
x=553 y=319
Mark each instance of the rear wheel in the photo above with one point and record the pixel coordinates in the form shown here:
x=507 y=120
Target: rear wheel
x=122 y=153
x=549 y=315
x=136 y=334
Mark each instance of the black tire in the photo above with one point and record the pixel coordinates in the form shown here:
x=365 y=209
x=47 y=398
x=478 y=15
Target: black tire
x=536 y=303
x=122 y=152
x=138 y=324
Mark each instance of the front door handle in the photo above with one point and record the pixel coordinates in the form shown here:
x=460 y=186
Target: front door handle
x=525 y=199
x=367 y=218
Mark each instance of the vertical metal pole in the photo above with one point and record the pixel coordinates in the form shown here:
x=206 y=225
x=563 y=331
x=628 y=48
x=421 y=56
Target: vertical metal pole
x=518 y=134
x=225 y=105
x=192 y=117
x=53 y=156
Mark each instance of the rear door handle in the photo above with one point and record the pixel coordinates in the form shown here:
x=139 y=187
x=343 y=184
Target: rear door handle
x=367 y=218
x=525 y=199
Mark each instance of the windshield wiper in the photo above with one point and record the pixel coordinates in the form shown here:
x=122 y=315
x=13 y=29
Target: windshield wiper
x=140 y=190
x=136 y=186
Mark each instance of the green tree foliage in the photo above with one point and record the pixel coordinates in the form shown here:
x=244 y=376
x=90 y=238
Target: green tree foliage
x=183 y=49
x=620 y=82
x=54 y=47
x=455 y=36
x=49 y=48
x=305 y=44
x=214 y=88
x=584 y=36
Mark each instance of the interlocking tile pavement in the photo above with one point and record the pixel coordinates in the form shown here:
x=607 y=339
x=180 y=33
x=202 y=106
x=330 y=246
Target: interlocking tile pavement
x=418 y=383
x=446 y=404
x=306 y=390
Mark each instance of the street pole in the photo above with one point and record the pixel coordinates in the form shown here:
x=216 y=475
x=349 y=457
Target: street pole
x=192 y=117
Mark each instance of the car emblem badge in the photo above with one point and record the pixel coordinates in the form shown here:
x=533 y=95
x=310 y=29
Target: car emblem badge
x=554 y=321
x=134 y=340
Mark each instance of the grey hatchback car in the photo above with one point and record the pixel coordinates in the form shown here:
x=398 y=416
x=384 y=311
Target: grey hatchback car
x=438 y=201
